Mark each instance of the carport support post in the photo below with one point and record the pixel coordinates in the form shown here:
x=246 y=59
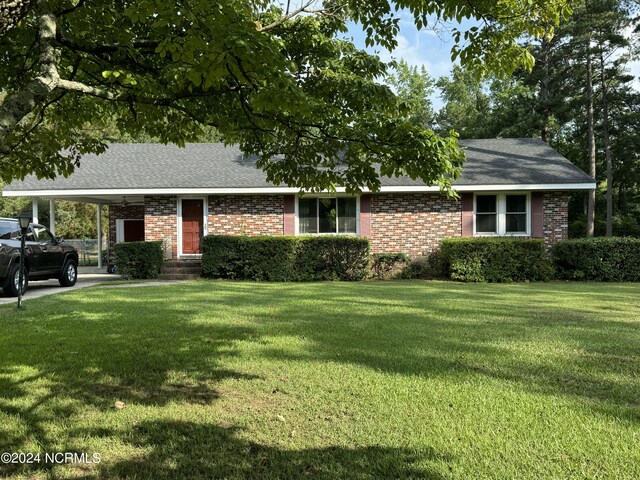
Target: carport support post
x=99 y=235
x=34 y=210
x=52 y=216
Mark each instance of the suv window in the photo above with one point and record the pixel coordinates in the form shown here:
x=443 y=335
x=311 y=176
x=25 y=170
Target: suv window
x=42 y=234
x=9 y=230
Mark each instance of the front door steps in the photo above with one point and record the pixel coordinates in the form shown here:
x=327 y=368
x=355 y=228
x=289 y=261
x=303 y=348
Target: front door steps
x=181 y=270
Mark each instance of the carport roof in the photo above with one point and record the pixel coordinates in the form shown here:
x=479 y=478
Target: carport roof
x=144 y=169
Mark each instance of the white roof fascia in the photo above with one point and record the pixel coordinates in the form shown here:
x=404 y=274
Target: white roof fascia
x=287 y=190
x=529 y=187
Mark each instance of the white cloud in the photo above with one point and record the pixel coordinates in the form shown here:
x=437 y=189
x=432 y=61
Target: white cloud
x=429 y=47
x=421 y=52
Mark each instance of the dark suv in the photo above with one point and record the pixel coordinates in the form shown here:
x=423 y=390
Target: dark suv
x=45 y=257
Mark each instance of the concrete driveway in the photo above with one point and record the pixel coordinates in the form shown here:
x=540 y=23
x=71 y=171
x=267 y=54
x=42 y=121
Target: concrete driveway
x=87 y=276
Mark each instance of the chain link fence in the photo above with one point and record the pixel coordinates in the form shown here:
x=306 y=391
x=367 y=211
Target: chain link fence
x=87 y=250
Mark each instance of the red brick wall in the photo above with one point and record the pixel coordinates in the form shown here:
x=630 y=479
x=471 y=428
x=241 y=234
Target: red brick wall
x=161 y=220
x=556 y=217
x=246 y=214
x=120 y=212
x=413 y=223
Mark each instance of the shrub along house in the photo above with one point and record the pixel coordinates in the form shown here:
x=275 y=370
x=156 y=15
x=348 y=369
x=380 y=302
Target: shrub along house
x=516 y=187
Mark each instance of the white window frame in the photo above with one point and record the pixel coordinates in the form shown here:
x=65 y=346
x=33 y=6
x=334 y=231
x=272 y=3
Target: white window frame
x=205 y=225
x=326 y=195
x=120 y=227
x=501 y=207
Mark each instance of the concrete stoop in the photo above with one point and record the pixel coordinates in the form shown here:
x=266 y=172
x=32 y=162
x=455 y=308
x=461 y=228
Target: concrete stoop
x=181 y=270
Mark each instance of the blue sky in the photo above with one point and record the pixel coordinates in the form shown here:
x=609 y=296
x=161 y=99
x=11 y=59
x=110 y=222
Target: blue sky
x=429 y=47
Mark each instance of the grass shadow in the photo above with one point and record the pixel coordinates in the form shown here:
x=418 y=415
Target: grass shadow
x=159 y=347
x=201 y=451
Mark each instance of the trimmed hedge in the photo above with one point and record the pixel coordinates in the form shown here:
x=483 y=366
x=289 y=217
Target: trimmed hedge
x=387 y=265
x=267 y=258
x=139 y=259
x=495 y=259
x=424 y=267
x=608 y=259
x=285 y=258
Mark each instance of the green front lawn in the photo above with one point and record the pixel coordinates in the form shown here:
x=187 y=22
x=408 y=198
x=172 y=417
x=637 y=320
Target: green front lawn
x=326 y=380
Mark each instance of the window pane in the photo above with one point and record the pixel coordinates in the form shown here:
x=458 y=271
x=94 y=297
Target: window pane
x=9 y=230
x=42 y=235
x=307 y=212
x=346 y=215
x=516 y=222
x=486 y=204
x=486 y=223
x=516 y=204
x=327 y=215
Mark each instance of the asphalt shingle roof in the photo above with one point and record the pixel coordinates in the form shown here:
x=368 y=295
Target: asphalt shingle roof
x=515 y=161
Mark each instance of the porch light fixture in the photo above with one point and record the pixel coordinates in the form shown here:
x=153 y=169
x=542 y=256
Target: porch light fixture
x=24 y=219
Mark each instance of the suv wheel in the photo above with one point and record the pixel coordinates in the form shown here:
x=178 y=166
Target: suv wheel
x=12 y=289
x=69 y=274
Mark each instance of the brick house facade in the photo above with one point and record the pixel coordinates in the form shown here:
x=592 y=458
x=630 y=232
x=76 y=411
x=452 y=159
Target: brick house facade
x=413 y=223
x=161 y=221
x=246 y=215
x=556 y=217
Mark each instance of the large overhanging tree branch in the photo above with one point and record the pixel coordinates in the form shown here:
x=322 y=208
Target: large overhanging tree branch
x=11 y=11
x=275 y=80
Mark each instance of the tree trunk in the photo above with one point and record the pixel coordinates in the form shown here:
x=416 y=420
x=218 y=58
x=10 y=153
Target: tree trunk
x=591 y=207
x=21 y=103
x=607 y=149
x=622 y=197
x=545 y=47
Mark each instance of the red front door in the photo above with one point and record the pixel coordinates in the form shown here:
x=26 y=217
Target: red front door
x=192 y=223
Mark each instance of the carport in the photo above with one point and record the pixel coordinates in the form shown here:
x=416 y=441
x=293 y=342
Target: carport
x=93 y=197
